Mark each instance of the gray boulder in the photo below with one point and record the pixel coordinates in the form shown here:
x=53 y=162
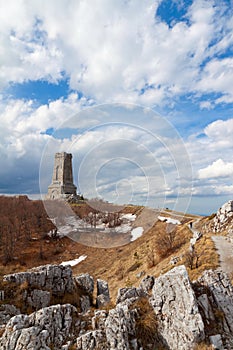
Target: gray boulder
x=102 y=288
x=98 y=320
x=216 y=341
x=179 y=321
x=222 y=294
x=55 y=278
x=92 y=340
x=121 y=328
x=103 y=296
x=85 y=282
x=205 y=306
x=51 y=325
x=129 y=294
x=85 y=303
x=6 y=312
x=102 y=300
x=224 y=217
x=147 y=283
x=37 y=298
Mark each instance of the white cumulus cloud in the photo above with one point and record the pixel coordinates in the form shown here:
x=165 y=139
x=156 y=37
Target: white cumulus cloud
x=117 y=50
x=219 y=168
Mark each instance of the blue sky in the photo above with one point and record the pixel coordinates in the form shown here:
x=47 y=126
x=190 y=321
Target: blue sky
x=164 y=66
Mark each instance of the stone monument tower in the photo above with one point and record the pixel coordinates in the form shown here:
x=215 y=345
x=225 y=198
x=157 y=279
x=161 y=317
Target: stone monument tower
x=62 y=181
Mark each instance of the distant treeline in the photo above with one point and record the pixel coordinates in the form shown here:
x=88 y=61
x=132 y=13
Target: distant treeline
x=21 y=219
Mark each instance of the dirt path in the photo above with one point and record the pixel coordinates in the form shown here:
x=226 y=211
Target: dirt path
x=224 y=246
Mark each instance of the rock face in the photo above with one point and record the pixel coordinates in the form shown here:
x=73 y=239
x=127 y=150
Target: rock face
x=224 y=218
x=175 y=304
x=37 y=298
x=168 y=312
x=92 y=340
x=43 y=329
x=120 y=328
x=103 y=296
x=184 y=314
x=56 y=278
x=85 y=282
x=113 y=331
x=147 y=283
x=132 y=293
x=6 y=312
x=221 y=290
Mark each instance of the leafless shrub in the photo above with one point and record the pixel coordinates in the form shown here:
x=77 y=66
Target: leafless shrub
x=165 y=241
x=151 y=258
x=192 y=258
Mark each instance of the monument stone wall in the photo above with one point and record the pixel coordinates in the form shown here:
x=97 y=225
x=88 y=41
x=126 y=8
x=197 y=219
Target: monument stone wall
x=62 y=180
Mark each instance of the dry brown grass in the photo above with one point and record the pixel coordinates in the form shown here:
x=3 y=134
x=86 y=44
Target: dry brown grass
x=121 y=265
x=231 y=277
x=203 y=346
x=208 y=259
x=146 y=325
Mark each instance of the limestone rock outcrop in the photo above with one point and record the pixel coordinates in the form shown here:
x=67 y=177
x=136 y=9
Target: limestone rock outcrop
x=147 y=283
x=56 y=278
x=92 y=340
x=103 y=296
x=44 y=329
x=85 y=282
x=37 y=298
x=218 y=305
x=6 y=312
x=168 y=312
x=130 y=293
x=179 y=321
x=224 y=218
x=115 y=330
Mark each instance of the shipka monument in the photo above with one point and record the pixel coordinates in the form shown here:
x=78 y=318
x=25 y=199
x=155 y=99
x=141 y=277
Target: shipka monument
x=62 y=182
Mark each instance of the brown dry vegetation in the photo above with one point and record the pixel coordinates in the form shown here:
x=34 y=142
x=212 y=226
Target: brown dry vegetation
x=146 y=325
x=120 y=266
x=203 y=346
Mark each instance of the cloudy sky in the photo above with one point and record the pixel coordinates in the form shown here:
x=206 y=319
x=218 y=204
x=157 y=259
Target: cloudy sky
x=140 y=92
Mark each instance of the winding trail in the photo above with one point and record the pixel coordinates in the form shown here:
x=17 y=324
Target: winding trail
x=224 y=247
x=193 y=226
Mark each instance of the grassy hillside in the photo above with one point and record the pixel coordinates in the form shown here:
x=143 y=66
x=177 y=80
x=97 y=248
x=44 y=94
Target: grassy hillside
x=24 y=226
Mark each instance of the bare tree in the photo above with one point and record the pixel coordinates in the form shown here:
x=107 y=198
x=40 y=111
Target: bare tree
x=192 y=258
x=165 y=240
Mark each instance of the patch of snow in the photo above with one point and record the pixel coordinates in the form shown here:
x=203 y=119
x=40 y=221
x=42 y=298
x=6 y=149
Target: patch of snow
x=74 y=262
x=169 y=220
x=101 y=226
x=136 y=233
x=123 y=228
x=64 y=230
x=130 y=217
x=74 y=223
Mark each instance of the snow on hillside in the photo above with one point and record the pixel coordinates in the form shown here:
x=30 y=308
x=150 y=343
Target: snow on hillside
x=136 y=233
x=169 y=220
x=123 y=228
x=130 y=217
x=74 y=262
x=74 y=223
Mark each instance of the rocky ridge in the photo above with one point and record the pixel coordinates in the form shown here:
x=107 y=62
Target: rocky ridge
x=223 y=220
x=168 y=311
